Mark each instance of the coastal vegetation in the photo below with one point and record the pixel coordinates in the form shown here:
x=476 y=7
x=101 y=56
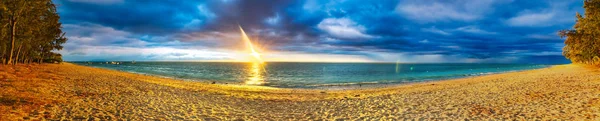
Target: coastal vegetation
x=582 y=44
x=29 y=32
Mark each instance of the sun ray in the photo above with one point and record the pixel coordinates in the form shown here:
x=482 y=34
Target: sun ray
x=253 y=51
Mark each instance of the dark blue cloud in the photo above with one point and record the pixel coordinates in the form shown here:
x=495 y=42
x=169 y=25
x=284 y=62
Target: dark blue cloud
x=520 y=31
x=137 y=16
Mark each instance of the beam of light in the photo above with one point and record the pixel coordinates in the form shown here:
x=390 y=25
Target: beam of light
x=257 y=69
x=253 y=51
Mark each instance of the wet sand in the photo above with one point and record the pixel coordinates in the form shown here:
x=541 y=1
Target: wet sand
x=68 y=91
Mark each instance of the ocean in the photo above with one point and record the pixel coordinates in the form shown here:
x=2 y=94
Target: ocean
x=311 y=75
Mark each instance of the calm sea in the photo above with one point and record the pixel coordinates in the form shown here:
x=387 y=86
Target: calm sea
x=311 y=75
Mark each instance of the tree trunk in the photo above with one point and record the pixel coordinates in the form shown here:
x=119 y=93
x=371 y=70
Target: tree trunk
x=12 y=40
x=18 y=53
x=23 y=58
x=41 y=56
x=2 y=58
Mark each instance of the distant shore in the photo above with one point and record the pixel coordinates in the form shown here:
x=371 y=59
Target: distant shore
x=69 y=91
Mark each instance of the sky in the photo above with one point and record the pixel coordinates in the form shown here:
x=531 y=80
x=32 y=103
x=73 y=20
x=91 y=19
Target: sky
x=408 y=31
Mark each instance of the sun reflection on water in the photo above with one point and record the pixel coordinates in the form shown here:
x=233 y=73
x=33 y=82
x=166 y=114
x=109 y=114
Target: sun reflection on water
x=255 y=74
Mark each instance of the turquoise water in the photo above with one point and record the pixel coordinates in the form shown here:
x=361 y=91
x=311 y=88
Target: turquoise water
x=311 y=75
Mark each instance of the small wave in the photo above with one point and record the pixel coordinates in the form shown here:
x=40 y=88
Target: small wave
x=342 y=84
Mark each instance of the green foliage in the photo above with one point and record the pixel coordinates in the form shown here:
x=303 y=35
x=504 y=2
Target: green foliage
x=29 y=31
x=53 y=58
x=582 y=44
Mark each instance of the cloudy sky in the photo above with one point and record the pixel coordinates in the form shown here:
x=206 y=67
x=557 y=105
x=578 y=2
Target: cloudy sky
x=463 y=31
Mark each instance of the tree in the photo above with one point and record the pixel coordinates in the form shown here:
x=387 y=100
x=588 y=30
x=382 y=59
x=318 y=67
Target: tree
x=582 y=44
x=32 y=29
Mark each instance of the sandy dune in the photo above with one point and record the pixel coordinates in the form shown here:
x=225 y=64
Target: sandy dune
x=68 y=91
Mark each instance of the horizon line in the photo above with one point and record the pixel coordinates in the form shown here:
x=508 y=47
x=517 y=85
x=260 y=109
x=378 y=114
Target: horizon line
x=220 y=61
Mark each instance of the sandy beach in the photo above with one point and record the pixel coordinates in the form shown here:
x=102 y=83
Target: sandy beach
x=69 y=91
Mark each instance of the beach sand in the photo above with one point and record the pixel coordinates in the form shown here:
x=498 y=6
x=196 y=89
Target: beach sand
x=69 y=91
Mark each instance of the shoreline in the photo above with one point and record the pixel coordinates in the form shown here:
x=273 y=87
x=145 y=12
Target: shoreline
x=76 y=92
x=359 y=86
x=324 y=87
